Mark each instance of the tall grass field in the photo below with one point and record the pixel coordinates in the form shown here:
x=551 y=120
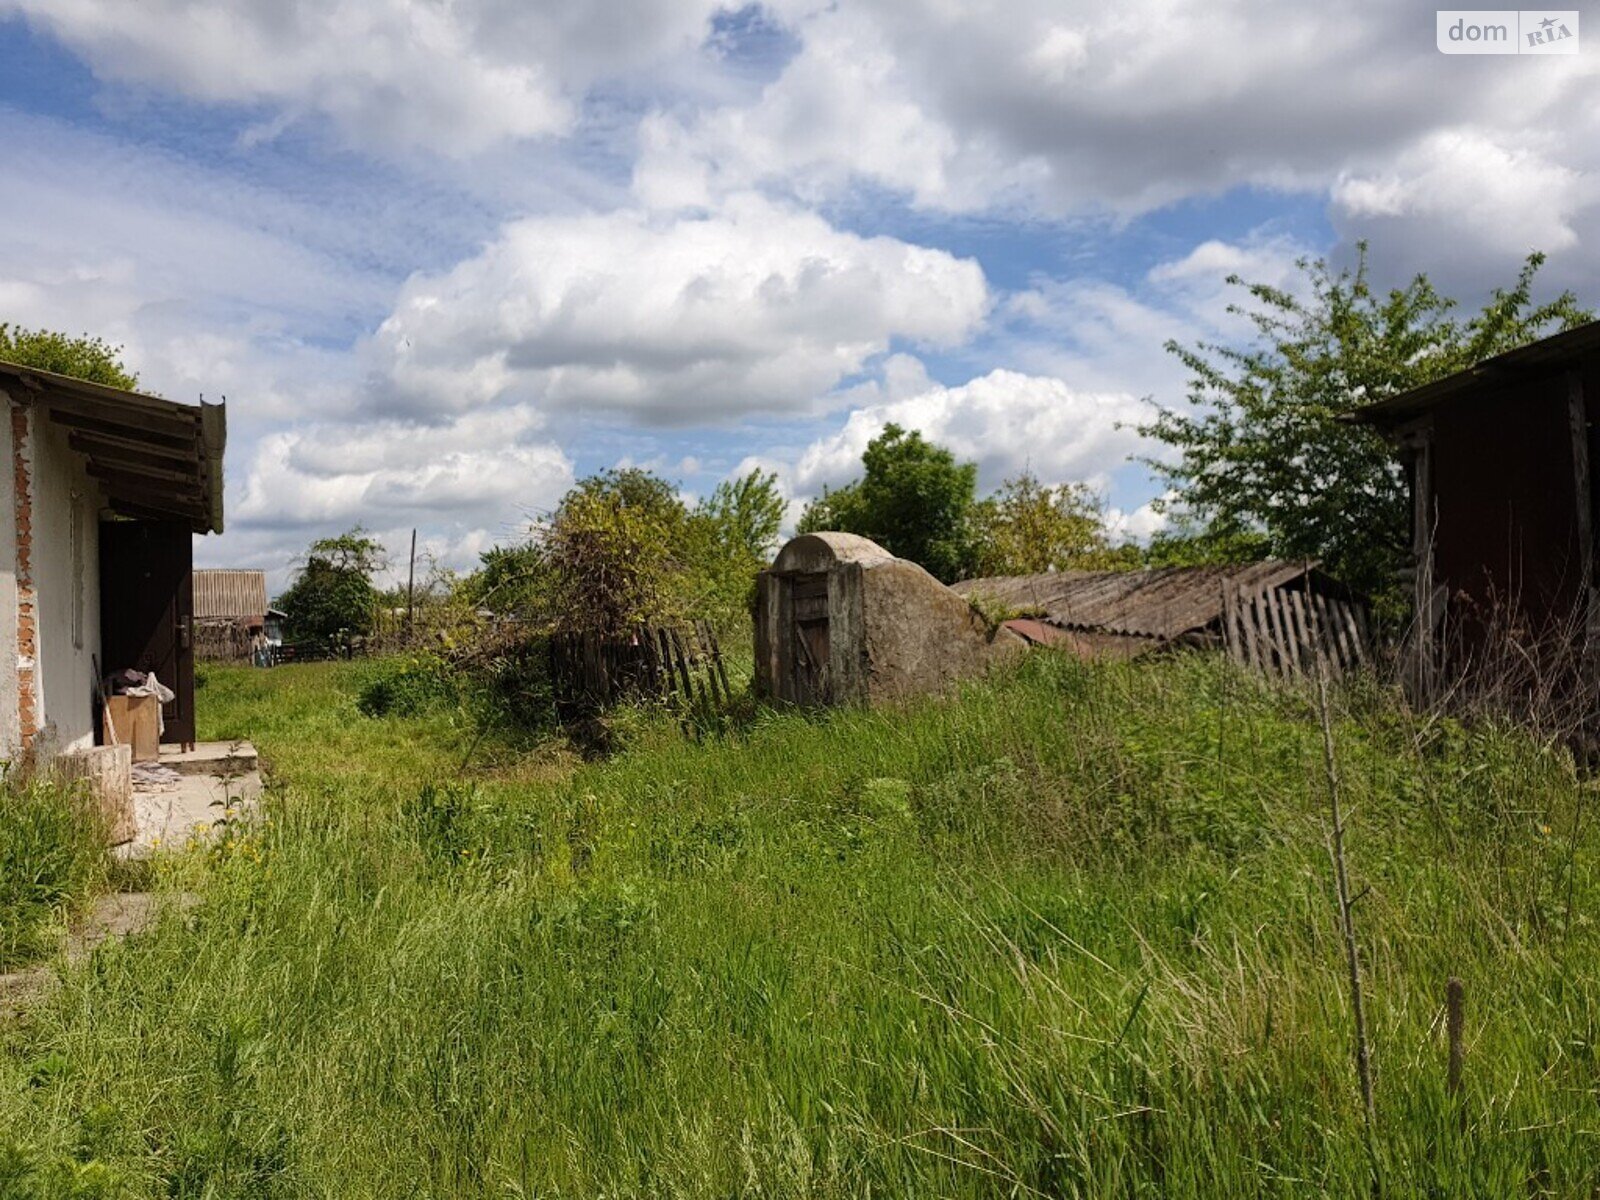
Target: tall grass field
x=1070 y=933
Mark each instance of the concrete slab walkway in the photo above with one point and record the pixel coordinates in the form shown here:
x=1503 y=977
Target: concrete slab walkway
x=117 y=915
x=182 y=797
x=188 y=793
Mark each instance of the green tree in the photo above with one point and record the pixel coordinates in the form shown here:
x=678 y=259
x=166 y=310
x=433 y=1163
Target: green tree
x=332 y=597
x=731 y=535
x=913 y=499
x=746 y=514
x=83 y=357
x=613 y=553
x=1028 y=527
x=1264 y=449
x=1185 y=543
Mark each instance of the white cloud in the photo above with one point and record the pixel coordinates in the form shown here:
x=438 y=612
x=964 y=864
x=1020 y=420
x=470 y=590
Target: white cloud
x=479 y=468
x=757 y=308
x=1111 y=337
x=835 y=114
x=1121 y=107
x=1138 y=525
x=1005 y=421
x=1466 y=204
x=1116 y=107
x=449 y=77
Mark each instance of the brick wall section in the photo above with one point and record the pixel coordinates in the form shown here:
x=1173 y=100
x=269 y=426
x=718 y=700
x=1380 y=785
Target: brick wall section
x=27 y=601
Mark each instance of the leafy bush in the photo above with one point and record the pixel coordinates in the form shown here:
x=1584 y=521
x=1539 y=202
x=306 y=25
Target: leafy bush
x=52 y=857
x=83 y=357
x=407 y=687
x=509 y=680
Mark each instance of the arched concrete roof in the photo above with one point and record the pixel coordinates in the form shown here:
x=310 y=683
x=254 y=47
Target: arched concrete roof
x=821 y=551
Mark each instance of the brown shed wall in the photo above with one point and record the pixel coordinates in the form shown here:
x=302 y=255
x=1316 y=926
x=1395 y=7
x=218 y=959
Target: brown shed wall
x=1505 y=508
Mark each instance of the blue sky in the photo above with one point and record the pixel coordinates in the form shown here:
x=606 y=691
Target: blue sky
x=442 y=259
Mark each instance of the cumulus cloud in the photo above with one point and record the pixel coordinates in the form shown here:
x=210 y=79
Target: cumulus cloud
x=1121 y=108
x=481 y=467
x=1110 y=336
x=1004 y=421
x=453 y=78
x=756 y=308
x=1467 y=203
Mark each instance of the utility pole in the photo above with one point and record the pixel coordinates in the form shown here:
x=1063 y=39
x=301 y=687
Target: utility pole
x=411 y=582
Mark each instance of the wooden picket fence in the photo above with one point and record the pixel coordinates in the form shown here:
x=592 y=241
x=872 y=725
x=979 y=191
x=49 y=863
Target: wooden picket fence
x=1290 y=633
x=591 y=672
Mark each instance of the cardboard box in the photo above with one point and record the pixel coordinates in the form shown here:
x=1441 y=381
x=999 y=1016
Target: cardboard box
x=136 y=722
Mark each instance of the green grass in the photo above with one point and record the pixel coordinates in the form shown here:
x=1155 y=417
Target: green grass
x=52 y=861
x=1071 y=933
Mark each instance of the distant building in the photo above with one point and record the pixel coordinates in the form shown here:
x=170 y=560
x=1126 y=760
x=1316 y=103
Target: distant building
x=104 y=492
x=232 y=617
x=1500 y=459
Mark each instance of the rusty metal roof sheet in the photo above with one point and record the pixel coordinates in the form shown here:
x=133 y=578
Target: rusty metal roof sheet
x=229 y=594
x=1162 y=603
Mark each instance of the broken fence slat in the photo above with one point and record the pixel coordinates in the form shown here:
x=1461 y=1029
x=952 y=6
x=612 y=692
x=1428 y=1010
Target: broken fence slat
x=690 y=693
x=1287 y=633
x=1306 y=640
x=722 y=670
x=1274 y=637
x=1339 y=614
x=1327 y=638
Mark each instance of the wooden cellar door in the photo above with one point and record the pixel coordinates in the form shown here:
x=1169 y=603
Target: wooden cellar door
x=811 y=649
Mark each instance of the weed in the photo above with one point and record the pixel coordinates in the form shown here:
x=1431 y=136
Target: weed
x=1069 y=932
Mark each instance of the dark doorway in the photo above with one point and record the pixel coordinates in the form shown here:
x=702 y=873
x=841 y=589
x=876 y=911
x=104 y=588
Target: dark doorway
x=147 y=610
x=809 y=596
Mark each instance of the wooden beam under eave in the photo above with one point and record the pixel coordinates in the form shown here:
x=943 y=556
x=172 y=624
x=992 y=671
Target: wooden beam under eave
x=162 y=435
x=191 y=480
x=213 y=446
x=126 y=450
x=144 y=512
x=174 y=419
x=144 y=491
x=191 y=505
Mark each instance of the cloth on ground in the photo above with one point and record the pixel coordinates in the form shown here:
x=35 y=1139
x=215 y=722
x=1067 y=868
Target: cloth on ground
x=154 y=777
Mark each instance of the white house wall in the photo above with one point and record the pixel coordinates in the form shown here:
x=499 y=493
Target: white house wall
x=10 y=720
x=66 y=573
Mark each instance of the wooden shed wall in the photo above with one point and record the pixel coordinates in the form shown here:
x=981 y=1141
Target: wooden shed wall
x=1506 y=530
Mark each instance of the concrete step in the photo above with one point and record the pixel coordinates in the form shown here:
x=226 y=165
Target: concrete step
x=211 y=758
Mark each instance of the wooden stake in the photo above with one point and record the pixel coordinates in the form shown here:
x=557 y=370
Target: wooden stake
x=1455 y=1008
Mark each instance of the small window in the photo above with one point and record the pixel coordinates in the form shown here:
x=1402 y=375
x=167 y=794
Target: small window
x=75 y=535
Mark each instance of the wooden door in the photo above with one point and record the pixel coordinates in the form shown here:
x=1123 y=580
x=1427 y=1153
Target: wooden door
x=812 y=649
x=147 y=610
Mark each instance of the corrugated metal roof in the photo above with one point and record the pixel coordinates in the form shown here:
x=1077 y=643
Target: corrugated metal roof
x=1546 y=354
x=1163 y=603
x=226 y=593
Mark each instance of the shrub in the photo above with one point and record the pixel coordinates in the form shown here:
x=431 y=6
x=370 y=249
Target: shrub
x=407 y=687
x=52 y=858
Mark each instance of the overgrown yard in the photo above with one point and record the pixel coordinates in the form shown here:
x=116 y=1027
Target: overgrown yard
x=1070 y=934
